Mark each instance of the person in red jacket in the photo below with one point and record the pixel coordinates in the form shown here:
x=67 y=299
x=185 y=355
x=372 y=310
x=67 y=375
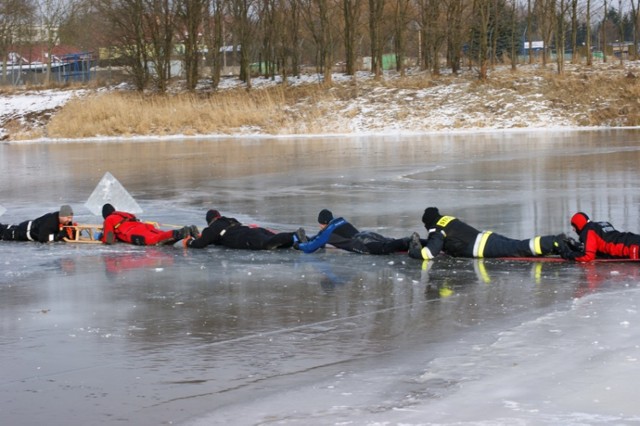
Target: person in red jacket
x=46 y=228
x=601 y=240
x=126 y=227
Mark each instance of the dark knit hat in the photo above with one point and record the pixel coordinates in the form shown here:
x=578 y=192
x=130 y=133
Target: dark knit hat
x=66 y=210
x=107 y=209
x=325 y=216
x=430 y=216
x=212 y=215
x=579 y=220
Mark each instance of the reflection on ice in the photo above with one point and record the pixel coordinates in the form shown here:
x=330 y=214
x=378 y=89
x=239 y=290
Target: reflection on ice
x=159 y=335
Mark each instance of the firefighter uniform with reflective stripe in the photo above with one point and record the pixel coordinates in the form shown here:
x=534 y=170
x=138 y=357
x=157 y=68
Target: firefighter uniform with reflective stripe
x=44 y=229
x=456 y=238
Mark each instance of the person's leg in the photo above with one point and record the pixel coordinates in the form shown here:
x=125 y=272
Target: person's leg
x=281 y=240
x=501 y=246
x=153 y=236
x=388 y=246
x=14 y=232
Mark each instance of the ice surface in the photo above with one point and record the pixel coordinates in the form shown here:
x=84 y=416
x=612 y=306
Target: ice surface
x=110 y=190
x=122 y=334
x=2 y=210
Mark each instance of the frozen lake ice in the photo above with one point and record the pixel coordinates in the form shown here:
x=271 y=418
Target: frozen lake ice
x=96 y=334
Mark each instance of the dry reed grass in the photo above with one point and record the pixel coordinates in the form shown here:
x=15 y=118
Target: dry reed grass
x=128 y=114
x=586 y=96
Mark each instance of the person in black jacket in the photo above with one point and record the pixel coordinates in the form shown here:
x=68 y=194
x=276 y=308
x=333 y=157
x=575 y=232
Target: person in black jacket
x=343 y=235
x=455 y=238
x=46 y=228
x=229 y=232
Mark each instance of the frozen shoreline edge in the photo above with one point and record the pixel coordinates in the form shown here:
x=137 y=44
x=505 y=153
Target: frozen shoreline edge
x=387 y=133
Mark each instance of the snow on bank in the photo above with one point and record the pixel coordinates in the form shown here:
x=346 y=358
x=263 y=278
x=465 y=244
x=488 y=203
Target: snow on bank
x=23 y=107
x=456 y=104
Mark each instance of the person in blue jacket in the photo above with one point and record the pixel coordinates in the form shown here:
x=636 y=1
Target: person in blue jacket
x=343 y=235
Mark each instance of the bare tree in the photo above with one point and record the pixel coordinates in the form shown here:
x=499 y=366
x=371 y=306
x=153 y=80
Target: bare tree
x=287 y=33
x=574 y=31
x=243 y=13
x=13 y=17
x=482 y=15
x=604 y=33
x=401 y=21
x=563 y=7
x=545 y=11
x=376 y=16
x=634 y=20
x=127 y=34
x=318 y=17
x=588 y=35
x=215 y=38
x=621 y=30
x=190 y=16
x=160 y=26
x=456 y=31
x=351 y=11
x=514 y=37
x=530 y=31
x=269 y=27
x=52 y=13
x=292 y=38
x=433 y=22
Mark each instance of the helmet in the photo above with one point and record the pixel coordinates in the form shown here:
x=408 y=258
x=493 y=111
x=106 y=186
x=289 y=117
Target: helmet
x=579 y=220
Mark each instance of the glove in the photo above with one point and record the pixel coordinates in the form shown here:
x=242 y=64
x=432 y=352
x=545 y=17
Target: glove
x=567 y=253
x=186 y=241
x=573 y=244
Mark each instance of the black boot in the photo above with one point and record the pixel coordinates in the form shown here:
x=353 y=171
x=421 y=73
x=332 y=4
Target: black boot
x=181 y=233
x=553 y=244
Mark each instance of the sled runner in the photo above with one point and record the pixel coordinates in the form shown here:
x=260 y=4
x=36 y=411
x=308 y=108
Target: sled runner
x=84 y=234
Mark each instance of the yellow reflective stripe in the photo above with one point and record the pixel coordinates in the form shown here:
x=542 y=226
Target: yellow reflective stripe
x=537 y=250
x=426 y=253
x=444 y=221
x=482 y=272
x=481 y=243
x=537 y=272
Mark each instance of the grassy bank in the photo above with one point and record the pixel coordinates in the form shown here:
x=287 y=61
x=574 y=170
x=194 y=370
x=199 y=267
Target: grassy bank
x=274 y=110
x=531 y=97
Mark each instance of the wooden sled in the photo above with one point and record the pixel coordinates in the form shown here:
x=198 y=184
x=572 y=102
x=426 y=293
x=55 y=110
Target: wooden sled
x=85 y=234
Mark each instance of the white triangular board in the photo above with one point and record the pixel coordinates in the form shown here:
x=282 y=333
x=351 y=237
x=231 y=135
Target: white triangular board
x=109 y=190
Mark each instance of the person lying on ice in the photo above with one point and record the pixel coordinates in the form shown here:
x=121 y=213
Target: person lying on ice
x=600 y=240
x=456 y=238
x=343 y=235
x=125 y=227
x=46 y=228
x=228 y=232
